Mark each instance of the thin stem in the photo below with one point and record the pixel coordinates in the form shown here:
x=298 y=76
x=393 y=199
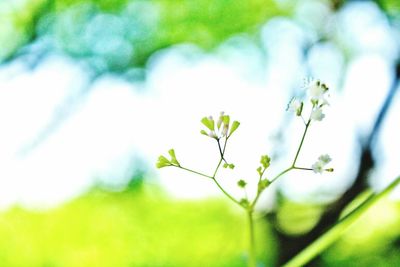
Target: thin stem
x=262 y=174
x=215 y=174
x=226 y=193
x=340 y=227
x=196 y=172
x=216 y=169
x=292 y=167
x=223 y=150
x=271 y=181
x=309 y=169
x=281 y=173
x=252 y=252
x=213 y=178
x=301 y=142
x=221 y=153
x=304 y=121
x=302 y=168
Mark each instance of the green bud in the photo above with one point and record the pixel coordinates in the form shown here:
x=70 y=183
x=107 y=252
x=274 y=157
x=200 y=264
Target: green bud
x=226 y=165
x=225 y=119
x=329 y=170
x=259 y=170
x=241 y=183
x=235 y=125
x=208 y=122
x=231 y=166
x=204 y=132
x=173 y=157
x=265 y=161
x=162 y=162
x=314 y=102
x=300 y=109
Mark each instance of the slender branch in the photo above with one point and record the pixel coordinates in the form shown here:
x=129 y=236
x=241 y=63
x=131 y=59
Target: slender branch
x=292 y=167
x=302 y=168
x=216 y=169
x=304 y=121
x=310 y=169
x=223 y=150
x=226 y=193
x=261 y=175
x=195 y=172
x=319 y=245
x=281 y=173
x=221 y=153
x=215 y=174
x=301 y=142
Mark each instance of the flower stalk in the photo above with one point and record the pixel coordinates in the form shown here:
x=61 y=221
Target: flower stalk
x=222 y=129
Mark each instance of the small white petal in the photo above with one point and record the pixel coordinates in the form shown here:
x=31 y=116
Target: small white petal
x=317 y=114
x=318 y=167
x=325 y=158
x=317 y=90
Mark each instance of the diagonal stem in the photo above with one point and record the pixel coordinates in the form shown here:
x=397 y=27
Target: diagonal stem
x=323 y=242
x=301 y=142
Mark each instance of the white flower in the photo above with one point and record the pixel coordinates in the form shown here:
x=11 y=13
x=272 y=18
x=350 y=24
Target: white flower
x=317 y=114
x=317 y=90
x=325 y=158
x=319 y=166
x=295 y=106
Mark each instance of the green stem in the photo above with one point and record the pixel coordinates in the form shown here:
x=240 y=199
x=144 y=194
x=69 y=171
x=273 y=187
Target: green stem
x=301 y=142
x=252 y=252
x=222 y=152
x=301 y=168
x=195 y=172
x=336 y=231
x=215 y=174
x=226 y=193
x=216 y=169
x=309 y=169
x=281 y=173
x=292 y=167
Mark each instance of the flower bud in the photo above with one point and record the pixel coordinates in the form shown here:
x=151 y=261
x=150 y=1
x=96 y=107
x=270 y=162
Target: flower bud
x=235 y=125
x=241 y=183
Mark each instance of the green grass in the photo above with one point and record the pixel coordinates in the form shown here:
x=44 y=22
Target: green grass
x=132 y=228
x=145 y=228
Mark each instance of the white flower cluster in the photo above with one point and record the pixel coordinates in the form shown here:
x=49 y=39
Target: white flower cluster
x=319 y=166
x=317 y=92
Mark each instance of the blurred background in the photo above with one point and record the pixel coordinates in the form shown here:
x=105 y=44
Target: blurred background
x=91 y=92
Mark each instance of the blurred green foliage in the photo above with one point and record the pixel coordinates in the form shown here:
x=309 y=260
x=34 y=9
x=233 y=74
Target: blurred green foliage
x=122 y=34
x=140 y=227
x=131 y=228
x=372 y=241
